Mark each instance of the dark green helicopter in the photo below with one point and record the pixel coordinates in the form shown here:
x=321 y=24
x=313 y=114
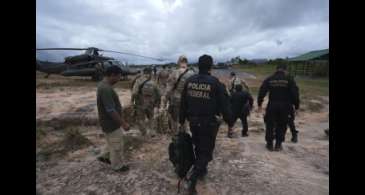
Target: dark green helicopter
x=90 y=63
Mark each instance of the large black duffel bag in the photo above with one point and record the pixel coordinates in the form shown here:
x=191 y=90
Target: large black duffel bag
x=181 y=153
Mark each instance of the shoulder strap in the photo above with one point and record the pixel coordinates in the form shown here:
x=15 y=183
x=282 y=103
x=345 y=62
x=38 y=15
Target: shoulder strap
x=134 y=80
x=141 y=86
x=178 y=80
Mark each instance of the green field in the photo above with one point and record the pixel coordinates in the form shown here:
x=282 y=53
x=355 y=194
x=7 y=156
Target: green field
x=309 y=87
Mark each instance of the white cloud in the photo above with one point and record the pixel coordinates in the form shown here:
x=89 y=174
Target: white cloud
x=169 y=28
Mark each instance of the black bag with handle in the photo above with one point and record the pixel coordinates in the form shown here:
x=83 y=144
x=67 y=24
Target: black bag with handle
x=181 y=153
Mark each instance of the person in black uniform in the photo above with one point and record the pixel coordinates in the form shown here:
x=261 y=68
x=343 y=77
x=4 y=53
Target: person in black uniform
x=291 y=123
x=283 y=95
x=241 y=104
x=202 y=98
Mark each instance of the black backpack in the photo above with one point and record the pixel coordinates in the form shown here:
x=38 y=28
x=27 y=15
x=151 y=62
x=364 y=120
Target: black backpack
x=181 y=153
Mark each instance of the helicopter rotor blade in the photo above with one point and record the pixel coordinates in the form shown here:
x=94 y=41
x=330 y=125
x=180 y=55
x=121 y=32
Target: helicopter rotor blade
x=62 y=49
x=132 y=54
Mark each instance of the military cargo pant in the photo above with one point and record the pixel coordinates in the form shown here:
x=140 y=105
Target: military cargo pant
x=163 y=88
x=145 y=119
x=243 y=119
x=174 y=112
x=276 y=119
x=204 y=132
x=115 y=148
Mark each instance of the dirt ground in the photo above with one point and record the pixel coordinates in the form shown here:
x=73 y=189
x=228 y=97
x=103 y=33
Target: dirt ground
x=240 y=165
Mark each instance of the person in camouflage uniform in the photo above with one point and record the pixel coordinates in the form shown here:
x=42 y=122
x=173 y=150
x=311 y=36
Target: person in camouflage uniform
x=146 y=99
x=162 y=78
x=233 y=81
x=175 y=86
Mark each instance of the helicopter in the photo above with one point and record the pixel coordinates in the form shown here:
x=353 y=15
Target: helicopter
x=90 y=63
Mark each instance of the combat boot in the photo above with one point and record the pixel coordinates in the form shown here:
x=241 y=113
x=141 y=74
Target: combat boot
x=124 y=168
x=244 y=134
x=203 y=174
x=278 y=146
x=269 y=146
x=294 y=138
x=192 y=186
x=104 y=158
x=230 y=134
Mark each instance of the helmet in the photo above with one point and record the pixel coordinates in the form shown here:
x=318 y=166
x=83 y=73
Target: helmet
x=182 y=58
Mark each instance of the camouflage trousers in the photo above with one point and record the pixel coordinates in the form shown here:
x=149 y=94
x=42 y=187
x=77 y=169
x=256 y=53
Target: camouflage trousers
x=145 y=120
x=115 y=148
x=174 y=112
x=163 y=89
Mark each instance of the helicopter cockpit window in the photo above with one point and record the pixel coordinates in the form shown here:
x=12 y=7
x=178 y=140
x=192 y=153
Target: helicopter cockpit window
x=89 y=52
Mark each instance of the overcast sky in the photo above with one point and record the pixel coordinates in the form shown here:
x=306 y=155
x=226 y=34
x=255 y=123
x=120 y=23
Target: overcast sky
x=168 y=28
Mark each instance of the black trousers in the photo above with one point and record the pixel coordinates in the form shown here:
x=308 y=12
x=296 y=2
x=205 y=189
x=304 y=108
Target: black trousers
x=291 y=123
x=276 y=121
x=204 y=133
x=243 y=119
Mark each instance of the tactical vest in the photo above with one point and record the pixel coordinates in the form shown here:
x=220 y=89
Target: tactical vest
x=237 y=81
x=148 y=89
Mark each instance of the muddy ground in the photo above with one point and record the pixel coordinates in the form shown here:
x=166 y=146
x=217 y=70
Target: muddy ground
x=240 y=166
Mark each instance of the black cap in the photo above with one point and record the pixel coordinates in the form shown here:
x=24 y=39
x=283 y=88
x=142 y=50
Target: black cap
x=113 y=70
x=281 y=66
x=233 y=73
x=205 y=62
x=147 y=70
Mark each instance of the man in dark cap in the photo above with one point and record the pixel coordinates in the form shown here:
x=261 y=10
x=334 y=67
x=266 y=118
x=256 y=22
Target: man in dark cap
x=111 y=120
x=283 y=95
x=203 y=98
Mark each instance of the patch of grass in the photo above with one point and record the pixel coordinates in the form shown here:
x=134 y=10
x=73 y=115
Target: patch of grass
x=314 y=106
x=313 y=87
x=308 y=86
x=72 y=140
x=257 y=70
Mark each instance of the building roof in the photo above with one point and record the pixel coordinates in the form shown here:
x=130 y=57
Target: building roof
x=313 y=55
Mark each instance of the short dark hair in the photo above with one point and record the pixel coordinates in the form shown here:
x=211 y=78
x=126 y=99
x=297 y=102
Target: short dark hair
x=233 y=73
x=205 y=62
x=113 y=70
